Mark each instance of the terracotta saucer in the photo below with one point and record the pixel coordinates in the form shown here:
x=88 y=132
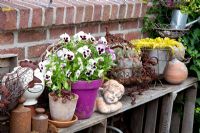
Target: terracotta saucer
x=64 y=124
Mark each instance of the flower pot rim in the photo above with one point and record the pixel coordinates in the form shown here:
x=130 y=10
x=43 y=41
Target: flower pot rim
x=76 y=97
x=89 y=81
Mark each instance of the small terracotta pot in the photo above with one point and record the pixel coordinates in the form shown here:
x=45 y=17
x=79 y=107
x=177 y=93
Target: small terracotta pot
x=62 y=111
x=176 y=72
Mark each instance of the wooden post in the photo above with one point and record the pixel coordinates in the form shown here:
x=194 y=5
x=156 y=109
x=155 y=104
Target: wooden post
x=166 y=113
x=151 y=116
x=189 y=106
x=137 y=119
x=101 y=127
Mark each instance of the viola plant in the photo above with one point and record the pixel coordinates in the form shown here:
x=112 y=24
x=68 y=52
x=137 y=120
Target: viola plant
x=81 y=57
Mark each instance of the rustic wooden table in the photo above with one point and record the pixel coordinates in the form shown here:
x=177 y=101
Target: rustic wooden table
x=149 y=98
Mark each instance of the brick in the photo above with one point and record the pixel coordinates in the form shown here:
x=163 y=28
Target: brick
x=129 y=11
x=137 y=10
x=31 y=36
x=119 y=35
x=70 y=14
x=132 y=35
x=37 y=51
x=88 y=28
x=6 y=38
x=59 y=15
x=37 y=17
x=18 y=51
x=114 y=12
x=48 y=16
x=111 y=26
x=140 y=23
x=8 y=19
x=106 y=12
x=24 y=18
x=97 y=12
x=129 y=25
x=144 y=9
x=56 y=32
x=122 y=11
x=88 y=13
x=79 y=14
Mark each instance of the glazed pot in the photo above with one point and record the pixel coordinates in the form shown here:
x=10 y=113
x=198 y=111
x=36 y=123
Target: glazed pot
x=87 y=92
x=126 y=65
x=176 y=72
x=31 y=94
x=62 y=111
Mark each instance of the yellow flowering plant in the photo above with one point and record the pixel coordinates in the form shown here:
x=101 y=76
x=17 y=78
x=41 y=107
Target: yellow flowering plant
x=157 y=43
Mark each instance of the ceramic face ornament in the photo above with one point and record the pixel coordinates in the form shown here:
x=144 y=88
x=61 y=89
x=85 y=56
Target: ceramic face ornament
x=32 y=93
x=65 y=37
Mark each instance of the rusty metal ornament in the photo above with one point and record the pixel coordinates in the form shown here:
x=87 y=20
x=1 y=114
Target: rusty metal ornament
x=20 y=121
x=40 y=121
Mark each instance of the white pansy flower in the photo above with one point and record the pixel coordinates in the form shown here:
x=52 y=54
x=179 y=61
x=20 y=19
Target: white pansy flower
x=80 y=36
x=48 y=75
x=101 y=48
x=77 y=73
x=42 y=66
x=102 y=40
x=60 y=53
x=85 y=51
x=100 y=73
x=68 y=73
x=91 y=38
x=65 y=37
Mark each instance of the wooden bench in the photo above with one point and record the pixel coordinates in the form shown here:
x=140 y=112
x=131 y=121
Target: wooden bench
x=147 y=121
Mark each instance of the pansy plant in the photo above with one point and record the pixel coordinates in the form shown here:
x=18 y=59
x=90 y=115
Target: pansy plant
x=81 y=57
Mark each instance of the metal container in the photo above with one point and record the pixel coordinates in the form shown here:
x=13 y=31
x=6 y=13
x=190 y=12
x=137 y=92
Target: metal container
x=163 y=56
x=178 y=20
x=20 y=121
x=40 y=121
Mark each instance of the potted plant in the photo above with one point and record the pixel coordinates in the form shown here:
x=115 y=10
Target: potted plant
x=160 y=48
x=62 y=102
x=82 y=62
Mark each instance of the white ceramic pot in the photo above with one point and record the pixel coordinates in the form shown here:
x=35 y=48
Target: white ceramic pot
x=62 y=111
x=31 y=94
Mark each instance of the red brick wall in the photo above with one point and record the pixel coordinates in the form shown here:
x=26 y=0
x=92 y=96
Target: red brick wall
x=27 y=28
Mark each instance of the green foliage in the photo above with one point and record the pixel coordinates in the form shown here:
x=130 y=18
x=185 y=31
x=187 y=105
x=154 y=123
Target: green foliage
x=192 y=42
x=193 y=7
x=157 y=14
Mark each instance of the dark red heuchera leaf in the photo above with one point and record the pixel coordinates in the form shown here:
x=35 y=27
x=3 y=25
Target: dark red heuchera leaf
x=35 y=80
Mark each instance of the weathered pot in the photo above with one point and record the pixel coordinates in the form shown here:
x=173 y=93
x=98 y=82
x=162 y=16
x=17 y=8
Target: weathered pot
x=87 y=92
x=62 y=111
x=20 y=120
x=176 y=72
x=126 y=66
x=163 y=56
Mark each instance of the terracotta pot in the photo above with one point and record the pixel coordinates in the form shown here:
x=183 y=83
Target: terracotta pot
x=176 y=72
x=62 y=111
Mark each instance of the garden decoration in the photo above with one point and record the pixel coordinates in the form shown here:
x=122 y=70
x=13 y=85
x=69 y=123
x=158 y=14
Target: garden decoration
x=110 y=94
x=12 y=87
x=176 y=72
x=77 y=64
x=31 y=94
x=160 y=48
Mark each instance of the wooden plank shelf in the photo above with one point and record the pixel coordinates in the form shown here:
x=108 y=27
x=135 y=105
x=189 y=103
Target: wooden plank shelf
x=152 y=94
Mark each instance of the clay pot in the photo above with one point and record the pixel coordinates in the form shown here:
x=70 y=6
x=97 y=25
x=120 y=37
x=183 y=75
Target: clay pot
x=20 y=121
x=176 y=72
x=62 y=110
x=40 y=121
